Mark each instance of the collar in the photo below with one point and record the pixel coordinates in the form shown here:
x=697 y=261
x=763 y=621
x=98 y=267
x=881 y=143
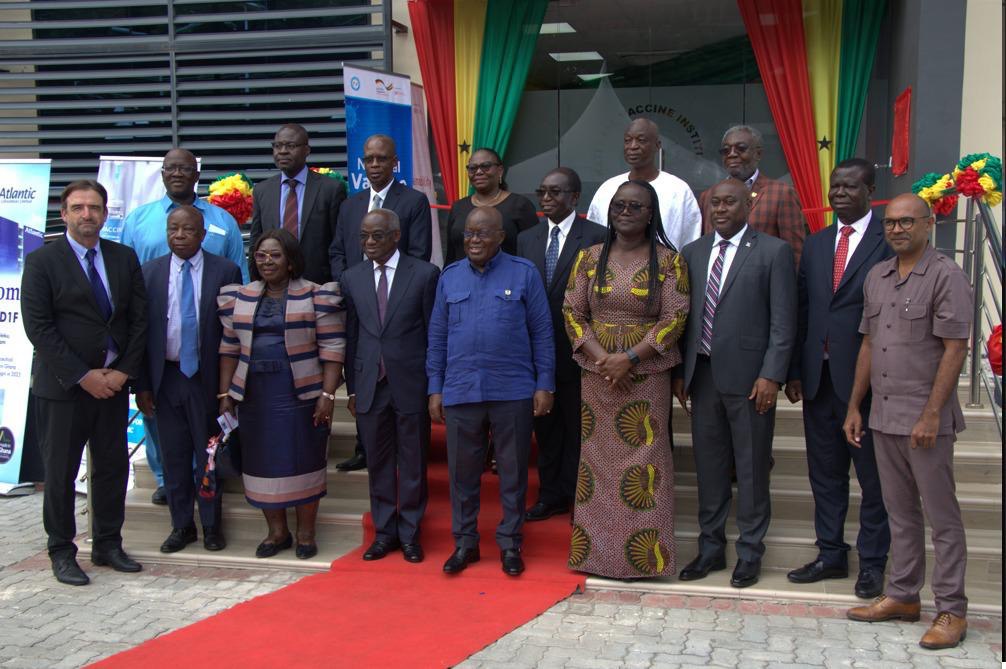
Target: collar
x=920 y=267
x=300 y=177
x=564 y=225
x=495 y=260
x=383 y=192
x=167 y=204
x=734 y=241
x=859 y=225
x=392 y=263
x=196 y=260
x=750 y=181
x=79 y=249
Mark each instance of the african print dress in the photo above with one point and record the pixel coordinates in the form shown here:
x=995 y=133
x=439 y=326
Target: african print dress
x=623 y=517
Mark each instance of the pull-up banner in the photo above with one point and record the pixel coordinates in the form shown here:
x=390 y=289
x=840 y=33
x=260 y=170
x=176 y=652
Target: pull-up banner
x=376 y=103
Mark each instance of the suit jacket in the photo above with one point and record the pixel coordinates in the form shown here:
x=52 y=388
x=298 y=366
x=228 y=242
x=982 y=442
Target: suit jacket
x=776 y=211
x=413 y=211
x=401 y=340
x=64 y=324
x=315 y=331
x=829 y=315
x=532 y=244
x=755 y=325
x=323 y=198
x=217 y=273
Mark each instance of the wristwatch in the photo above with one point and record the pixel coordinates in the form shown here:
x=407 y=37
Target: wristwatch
x=328 y=396
x=633 y=357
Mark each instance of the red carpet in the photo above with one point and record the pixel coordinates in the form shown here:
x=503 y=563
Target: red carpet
x=387 y=613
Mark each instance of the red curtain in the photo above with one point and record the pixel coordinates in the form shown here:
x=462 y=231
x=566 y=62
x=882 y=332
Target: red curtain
x=775 y=28
x=900 y=143
x=433 y=26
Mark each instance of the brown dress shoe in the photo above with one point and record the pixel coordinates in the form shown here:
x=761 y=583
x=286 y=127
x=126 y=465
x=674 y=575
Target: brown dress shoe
x=884 y=608
x=946 y=632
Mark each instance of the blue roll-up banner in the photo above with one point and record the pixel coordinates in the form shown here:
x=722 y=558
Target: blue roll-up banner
x=377 y=103
x=24 y=198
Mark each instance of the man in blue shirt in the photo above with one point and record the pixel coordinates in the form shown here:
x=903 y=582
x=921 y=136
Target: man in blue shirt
x=491 y=367
x=143 y=230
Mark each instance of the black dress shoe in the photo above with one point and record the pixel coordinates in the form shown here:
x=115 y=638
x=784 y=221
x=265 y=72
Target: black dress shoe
x=358 y=461
x=160 y=498
x=513 y=564
x=179 y=538
x=412 y=552
x=460 y=559
x=213 y=539
x=815 y=571
x=117 y=560
x=306 y=551
x=701 y=566
x=541 y=511
x=870 y=583
x=745 y=573
x=379 y=549
x=66 y=570
x=267 y=549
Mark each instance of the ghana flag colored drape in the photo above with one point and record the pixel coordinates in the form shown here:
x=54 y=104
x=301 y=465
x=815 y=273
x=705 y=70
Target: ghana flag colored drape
x=474 y=57
x=815 y=58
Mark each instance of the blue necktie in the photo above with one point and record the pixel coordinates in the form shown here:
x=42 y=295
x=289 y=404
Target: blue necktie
x=189 y=354
x=551 y=255
x=97 y=287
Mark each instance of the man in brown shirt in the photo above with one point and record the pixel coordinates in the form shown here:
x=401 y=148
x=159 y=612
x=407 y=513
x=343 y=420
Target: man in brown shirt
x=916 y=320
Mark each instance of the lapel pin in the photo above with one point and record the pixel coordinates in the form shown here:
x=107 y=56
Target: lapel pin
x=506 y=292
x=748 y=244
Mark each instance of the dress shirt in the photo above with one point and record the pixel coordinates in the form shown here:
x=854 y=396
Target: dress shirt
x=389 y=270
x=859 y=229
x=173 y=343
x=80 y=251
x=728 y=259
x=564 y=227
x=284 y=190
x=490 y=333
x=383 y=193
x=750 y=181
x=144 y=230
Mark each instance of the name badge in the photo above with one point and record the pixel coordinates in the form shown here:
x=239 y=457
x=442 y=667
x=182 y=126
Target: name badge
x=216 y=229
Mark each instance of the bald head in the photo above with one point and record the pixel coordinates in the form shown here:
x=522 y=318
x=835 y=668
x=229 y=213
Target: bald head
x=908 y=221
x=483 y=235
x=907 y=203
x=179 y=172
x=640 y=144
x=728 y=207
x=380 y=232
x=185 y=231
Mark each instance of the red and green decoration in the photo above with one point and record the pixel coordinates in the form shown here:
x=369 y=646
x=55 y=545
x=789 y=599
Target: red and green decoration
x=330 y=173
x=976 y=175
x=233 y=193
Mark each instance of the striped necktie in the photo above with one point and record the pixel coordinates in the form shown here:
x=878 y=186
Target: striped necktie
x=712 y=297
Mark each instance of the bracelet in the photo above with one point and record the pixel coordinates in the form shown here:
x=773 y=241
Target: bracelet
x=633 y=356
x=223 y=395
x=328 y=396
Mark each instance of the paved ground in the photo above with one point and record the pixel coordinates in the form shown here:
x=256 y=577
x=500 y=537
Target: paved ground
x=50 y=625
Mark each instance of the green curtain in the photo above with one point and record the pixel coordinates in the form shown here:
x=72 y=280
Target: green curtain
x=860 y=33
x=510 y=37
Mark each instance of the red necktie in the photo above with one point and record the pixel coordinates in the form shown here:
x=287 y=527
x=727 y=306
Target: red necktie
x=290 y=208
x=382 y=308
x=841 y=253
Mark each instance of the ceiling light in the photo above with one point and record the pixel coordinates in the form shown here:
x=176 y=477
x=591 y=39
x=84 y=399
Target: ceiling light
x=559 y=28
x=568 y=56
x=594 y=77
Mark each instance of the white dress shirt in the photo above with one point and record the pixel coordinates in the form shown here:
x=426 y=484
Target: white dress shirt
x=389 y=270
x=80 y=251
x=173 y=342
x=859 y=231
x=735 y=243
x=564 y=228
x=383 y=193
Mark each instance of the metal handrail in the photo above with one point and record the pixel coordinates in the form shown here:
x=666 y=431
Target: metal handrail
x=982 y=235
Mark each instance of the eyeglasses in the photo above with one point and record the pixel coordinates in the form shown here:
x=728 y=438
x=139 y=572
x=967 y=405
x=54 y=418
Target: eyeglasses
x=481 y=235
x=287 y=146
x=552 y=192
x=906 y=223
x=484 y=167
x=187 y=170
x=739 y=148
x=376 y=236
x=264 y=256
x=618 y=206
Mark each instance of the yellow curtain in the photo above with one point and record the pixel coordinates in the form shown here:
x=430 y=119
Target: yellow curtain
x=469 y=28
x=822 y=24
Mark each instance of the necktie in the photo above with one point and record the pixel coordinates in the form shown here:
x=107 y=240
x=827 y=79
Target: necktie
x=382 y=307
x=712 y=297
x=551 y=255
x=290 y=217
x=376 y=202
x=97 y=287
x=189 y=354
x=838 y=269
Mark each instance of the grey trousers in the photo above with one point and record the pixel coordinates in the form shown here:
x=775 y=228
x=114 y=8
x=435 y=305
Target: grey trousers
x=906 y=475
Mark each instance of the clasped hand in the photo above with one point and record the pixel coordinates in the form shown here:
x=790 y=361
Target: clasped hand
x=616 y=369
x=103 y=383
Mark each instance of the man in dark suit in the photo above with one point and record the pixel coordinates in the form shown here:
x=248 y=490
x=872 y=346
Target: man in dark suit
x=553 y=246
x=84 y=309
x=736 y=353
x=380 y=159
x=389 y=299
x=179 y=380
x=304 y=203
x=833 y=268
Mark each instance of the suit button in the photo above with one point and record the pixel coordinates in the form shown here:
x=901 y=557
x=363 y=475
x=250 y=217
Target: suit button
x=884 y=349
x=885 y=397
x=892 y=304
x=884 y=375
x=888 y=326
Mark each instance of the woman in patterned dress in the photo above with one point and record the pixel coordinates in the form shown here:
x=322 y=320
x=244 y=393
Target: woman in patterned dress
x=626 y=305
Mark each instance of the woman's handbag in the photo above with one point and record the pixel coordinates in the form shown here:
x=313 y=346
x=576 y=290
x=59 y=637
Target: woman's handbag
x=223 y=461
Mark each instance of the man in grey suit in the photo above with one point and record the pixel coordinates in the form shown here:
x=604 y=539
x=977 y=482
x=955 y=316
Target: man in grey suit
x=304 y=203
x=736 y=353
x=389 y=299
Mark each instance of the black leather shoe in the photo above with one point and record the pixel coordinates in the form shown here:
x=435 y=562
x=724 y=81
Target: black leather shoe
x=379 y=549
x=745 y=573
x=66 y=570
x=513 y=564
x=412 y=552
x=306 y=551
x=870 y=583
x=179 y=538
x=358 y=461
x=541 y=511
x=213 y=539
x=701 y=566
x=160 y=498
x=117 y=560
x=267 y=549
x=815 y=571
x=460 y=559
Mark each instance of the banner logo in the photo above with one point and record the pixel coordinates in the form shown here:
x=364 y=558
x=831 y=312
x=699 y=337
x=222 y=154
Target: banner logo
x=354 y=83
x=22 y=195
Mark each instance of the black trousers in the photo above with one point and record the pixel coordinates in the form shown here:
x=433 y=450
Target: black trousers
x=467 y=429
x=558 y=437
x=184 y=424
x=828 y=459
x=396 y=444
x=63 y=428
